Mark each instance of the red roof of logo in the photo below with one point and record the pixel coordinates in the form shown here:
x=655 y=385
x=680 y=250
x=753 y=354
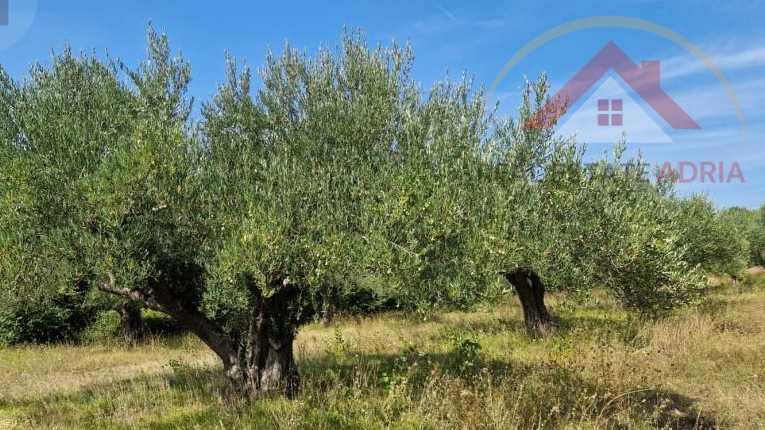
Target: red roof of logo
x=644 y=80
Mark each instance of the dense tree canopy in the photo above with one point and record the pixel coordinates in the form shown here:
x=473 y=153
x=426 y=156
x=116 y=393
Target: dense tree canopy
x=747 y=224
x=339 y=173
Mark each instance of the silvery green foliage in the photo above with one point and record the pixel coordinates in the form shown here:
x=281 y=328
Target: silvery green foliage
x=302 y=165
x=635 y=241
x=339 y=171
x=54 y=125
x=586 y=227
x=739 y=223
x=715 y=242
x=346 y=174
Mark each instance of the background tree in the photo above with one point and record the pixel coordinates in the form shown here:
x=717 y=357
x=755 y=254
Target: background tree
x=717 y=241
x=53 y=125
x=747 y=225
x=561 y=224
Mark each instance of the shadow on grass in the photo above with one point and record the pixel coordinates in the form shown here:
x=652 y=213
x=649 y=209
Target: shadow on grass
x=534 y=389
x=674 y=410
x=545 y=394
x=190 y=397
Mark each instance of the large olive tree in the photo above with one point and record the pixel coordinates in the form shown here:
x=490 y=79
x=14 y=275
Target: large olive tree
x=293 y=173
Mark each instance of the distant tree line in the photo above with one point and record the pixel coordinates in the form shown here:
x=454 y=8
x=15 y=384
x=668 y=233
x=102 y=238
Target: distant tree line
x=336 y=183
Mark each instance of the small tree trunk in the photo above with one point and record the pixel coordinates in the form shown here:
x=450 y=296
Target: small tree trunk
x=131 y=323
x=531 y=293
x=330 y=306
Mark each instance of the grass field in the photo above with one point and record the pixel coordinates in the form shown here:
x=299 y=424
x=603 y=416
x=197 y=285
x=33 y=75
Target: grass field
x=703 y=368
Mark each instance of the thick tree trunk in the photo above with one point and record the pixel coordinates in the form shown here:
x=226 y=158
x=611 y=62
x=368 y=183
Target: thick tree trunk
x=330 y=306
x=261 y=360
x=531 y=293
x=130 y=321
x=277 y=370
x=269 y=358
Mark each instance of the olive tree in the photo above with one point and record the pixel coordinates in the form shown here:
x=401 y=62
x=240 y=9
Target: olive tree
x=716 y=242
x=433 y=202
x=230 y=230
x=53 y=124
x=749 y=225
x=756 y=237
x=560 y=224
x=634 y=240
x=297 y=169
x=338 y=170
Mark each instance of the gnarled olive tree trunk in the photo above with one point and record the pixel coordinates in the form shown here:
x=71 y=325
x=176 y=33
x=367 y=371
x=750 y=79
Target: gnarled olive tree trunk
x=257 y=361
x=130 y=322
x=531 y=293
x=268 y=357
x=263 y=360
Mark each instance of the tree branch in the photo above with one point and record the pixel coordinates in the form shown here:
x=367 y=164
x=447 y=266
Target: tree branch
x=133 y=295
x=212 y=334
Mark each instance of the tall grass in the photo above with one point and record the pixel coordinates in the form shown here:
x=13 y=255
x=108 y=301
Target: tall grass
x=601 y=368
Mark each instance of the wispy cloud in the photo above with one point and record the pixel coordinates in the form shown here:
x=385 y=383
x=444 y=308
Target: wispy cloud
x=441 y=23
x=443 y=20
x=712 y=101
x=727 y=59
x=445 y=11
x=726 y=5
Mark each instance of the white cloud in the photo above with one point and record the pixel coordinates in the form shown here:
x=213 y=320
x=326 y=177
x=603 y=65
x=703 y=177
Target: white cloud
x=727 y=59
x=712 y=101
x=440 y=23
x=735 y=6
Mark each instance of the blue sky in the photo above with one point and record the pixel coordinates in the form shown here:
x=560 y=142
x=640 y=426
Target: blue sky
x=452 y=36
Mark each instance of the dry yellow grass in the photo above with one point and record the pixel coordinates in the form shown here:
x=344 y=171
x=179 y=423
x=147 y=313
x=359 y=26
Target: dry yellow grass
x=755 y=272
x=602 y=368
x=37 y=371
